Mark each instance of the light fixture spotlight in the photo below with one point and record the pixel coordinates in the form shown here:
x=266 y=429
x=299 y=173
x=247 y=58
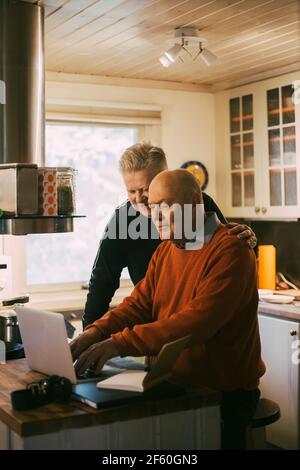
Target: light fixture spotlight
x=173 y=53
x=183 y=38
x=165 y=61
x=208 y=57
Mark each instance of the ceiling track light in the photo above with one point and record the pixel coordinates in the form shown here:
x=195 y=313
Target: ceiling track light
x=183 y=38
x=165 y=61
x=173 y=53
x=208 y=57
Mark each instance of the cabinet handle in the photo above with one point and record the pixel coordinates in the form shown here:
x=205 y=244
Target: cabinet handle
x=264 y=210
x=293 y=332
x=257 y=210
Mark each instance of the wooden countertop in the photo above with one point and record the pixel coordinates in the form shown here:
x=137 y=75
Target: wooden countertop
x=284 y=311
x=54 y=417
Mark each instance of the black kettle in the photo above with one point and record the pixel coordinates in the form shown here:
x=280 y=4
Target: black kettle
x=10 y=335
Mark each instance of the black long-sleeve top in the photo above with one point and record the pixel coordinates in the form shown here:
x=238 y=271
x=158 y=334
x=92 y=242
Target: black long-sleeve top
x=123 y=252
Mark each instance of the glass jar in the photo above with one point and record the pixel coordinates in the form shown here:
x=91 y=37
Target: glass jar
x=66 y=190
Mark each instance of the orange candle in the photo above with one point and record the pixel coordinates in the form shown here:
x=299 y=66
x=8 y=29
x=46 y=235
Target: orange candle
x=267 y=267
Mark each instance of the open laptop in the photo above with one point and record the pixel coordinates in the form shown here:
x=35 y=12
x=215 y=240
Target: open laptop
x=47 y=348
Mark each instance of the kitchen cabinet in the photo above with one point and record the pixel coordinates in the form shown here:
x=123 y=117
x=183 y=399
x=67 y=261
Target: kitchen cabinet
x=281 y=354
x=258 y=150
x=242 y=159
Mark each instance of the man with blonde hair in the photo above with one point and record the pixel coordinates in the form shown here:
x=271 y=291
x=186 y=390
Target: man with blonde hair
x=139 y=164
x=141 y=156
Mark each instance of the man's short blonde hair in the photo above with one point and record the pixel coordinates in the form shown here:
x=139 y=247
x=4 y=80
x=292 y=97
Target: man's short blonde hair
x=143 y=156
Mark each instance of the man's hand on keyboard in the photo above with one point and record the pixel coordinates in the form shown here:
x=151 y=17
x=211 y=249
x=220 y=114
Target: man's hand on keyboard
x=84 y=341
x=96 y=356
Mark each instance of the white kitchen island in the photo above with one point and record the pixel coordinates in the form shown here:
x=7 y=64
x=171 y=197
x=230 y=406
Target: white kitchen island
x=189 y=421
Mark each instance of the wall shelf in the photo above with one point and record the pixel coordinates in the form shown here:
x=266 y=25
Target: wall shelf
x=33 y=224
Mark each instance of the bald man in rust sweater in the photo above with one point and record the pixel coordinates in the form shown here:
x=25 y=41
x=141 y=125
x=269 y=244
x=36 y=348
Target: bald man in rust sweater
x=204 y=286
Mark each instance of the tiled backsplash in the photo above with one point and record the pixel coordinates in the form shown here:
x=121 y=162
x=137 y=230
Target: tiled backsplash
x=286 y=237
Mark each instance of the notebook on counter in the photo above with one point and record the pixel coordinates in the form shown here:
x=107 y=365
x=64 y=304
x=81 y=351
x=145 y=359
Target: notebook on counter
x=140 y=381
x=89 y=394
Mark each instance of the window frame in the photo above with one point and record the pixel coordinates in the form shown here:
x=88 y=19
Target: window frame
x=15 y=246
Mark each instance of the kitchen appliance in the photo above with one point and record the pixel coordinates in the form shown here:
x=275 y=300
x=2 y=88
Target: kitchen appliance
x=9 y=327
x=22 y=117
x=5 y=277
x=10 y=332
x=19 y=189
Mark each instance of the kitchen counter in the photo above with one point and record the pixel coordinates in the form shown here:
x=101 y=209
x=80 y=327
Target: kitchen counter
x=284 y=311
x=71 y=300
x=146 y=424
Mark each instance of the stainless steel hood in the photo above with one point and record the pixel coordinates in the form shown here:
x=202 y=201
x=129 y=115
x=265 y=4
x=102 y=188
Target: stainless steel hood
x=22 y=117
x=22 y=103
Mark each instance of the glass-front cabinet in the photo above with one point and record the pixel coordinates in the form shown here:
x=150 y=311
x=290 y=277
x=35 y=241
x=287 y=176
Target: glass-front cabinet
x=282 y=157
x=242 y=151
x=263 y=144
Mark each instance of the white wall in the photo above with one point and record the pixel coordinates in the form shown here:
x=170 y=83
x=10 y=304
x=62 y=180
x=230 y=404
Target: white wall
x=187 y=131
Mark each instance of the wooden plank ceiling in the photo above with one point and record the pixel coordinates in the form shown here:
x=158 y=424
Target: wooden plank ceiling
x=252 y=39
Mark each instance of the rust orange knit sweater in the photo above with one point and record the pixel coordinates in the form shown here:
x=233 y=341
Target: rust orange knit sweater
x=209 y=293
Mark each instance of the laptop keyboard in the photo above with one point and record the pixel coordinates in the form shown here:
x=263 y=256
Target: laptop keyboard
x=115 y=365
x=89 y=374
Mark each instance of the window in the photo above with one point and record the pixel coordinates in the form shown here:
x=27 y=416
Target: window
x=94 y=150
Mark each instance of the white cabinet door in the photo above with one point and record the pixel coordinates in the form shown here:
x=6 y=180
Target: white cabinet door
x=242 y=152
x=280 y=352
